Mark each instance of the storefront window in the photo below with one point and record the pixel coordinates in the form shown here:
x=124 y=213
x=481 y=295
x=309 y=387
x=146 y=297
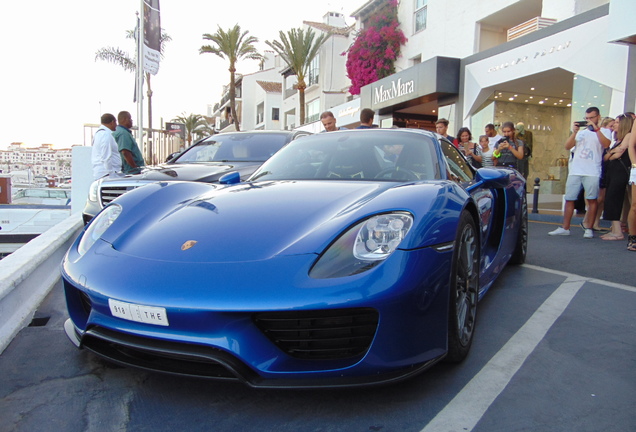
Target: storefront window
x=481 y=118
x=386 y=123
x=588 y=93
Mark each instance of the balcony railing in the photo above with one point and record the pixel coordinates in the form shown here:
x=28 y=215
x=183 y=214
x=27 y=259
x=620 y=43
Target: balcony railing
x=529 y=26
x=224 y=123
x=312 y=118
x=226 y=97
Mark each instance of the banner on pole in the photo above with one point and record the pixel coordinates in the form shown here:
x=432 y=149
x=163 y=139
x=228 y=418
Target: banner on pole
x=152 y=36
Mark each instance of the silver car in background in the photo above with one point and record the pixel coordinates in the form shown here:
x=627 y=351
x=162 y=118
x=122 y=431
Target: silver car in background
x=206 y=161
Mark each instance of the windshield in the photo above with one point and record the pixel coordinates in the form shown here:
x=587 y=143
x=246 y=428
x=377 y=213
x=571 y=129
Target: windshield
x=389 y=155
x=234 y=147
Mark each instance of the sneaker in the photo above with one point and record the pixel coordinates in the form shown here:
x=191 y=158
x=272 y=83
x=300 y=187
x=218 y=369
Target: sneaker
x=588 y=233
x=560 y=231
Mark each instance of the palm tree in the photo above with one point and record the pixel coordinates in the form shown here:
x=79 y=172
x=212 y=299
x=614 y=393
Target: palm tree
x=232 y=45
x=298 y=48
x=195 y=124
x=126 y=61
x=206 y=130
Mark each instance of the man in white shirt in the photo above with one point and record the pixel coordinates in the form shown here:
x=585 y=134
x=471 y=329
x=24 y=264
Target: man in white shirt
x=491 y=133
x=587 y=146
x=105 y=157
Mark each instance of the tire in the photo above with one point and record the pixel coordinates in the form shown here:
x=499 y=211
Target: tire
x=521 y=248
x=464 y=290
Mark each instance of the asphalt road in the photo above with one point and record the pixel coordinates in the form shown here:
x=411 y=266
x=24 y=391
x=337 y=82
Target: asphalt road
x=555 y=350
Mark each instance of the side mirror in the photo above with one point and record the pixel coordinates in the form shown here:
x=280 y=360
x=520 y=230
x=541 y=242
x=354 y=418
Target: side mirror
x=230 y=178
x=493 y=178
x=172 y=156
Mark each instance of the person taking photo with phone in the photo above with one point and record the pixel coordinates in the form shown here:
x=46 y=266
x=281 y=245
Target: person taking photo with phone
x=585 y=169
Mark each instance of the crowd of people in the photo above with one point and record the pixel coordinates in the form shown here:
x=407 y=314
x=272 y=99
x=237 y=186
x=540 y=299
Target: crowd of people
x=602 y=168
x=512 y=149
x=602 y=165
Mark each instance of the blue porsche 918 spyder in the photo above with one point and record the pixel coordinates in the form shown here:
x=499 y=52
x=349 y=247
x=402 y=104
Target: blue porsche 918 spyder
x=349 y=258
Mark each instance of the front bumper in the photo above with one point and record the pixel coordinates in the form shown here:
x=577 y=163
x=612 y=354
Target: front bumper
x=209 y=363
x=212 y=307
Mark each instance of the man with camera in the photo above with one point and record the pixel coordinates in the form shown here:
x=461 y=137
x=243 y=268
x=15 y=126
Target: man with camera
x=526 y=136
x=587 y=142
x=508 y=150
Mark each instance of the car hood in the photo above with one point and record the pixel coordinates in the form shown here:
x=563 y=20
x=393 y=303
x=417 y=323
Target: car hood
x=203 y=172
x=250 y=222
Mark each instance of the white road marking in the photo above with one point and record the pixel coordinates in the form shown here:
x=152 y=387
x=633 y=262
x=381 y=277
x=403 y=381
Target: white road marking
x=593 y=280
x=468 y=407
x=470 y=404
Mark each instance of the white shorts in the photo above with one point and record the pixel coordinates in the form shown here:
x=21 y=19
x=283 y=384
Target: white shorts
x=574 y=184
x=632 y=177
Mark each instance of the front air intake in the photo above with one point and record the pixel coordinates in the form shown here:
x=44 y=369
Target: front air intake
x=320 y=334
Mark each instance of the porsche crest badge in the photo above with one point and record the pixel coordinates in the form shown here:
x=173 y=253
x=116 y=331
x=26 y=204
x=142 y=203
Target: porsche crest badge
x=187 y=245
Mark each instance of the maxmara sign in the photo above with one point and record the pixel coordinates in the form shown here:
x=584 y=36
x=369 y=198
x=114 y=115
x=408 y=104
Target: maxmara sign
x=396 y=89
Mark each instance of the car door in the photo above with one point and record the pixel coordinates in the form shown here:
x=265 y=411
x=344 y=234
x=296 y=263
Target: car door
x=490 y=203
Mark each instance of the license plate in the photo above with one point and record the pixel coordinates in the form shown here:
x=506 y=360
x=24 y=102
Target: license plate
x=140 y=313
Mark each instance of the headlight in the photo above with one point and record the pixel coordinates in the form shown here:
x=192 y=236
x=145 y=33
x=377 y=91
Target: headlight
x=363 y=246
x=93 y=190
x=97 y=227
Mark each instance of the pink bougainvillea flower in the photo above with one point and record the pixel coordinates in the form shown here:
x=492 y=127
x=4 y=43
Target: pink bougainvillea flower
x=372 y=55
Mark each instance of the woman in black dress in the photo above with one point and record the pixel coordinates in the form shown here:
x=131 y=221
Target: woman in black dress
x=616 y=176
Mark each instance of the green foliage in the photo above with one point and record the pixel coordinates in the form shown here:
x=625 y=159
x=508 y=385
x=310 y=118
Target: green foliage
x=298 y=48
x=128 y=63
x=232 y=45
x=195 y=125
x=122 y=58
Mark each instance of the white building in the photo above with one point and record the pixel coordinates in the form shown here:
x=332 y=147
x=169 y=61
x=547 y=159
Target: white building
x=41 y=161
x=222 y=114
x=327 y=82
x=535 y=61
x=268 y=99
x=539 y=62
x=262 y=92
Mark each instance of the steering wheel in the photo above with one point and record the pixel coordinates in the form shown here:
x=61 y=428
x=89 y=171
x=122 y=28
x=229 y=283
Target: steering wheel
x=396 y=173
